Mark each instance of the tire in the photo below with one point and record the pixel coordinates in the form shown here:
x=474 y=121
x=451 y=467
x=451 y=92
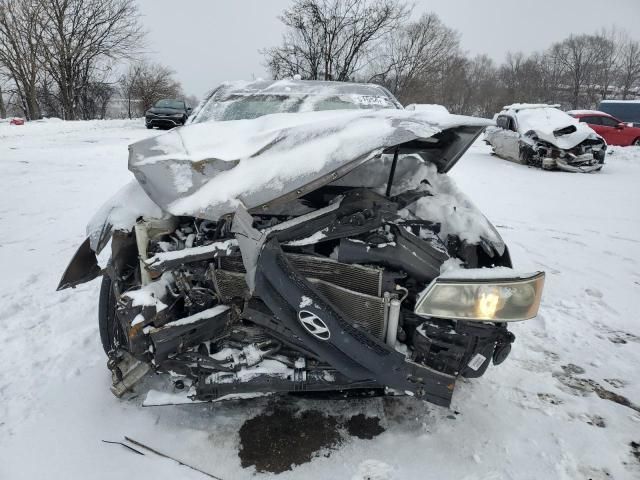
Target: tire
x=111 y=334
x=636 y=142
x=149 y=126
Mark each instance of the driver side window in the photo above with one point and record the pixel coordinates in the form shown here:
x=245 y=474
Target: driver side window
x=506 y=122
x=609 y=122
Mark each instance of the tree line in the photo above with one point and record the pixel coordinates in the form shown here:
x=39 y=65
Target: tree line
x=421 y=60
x=62 y=58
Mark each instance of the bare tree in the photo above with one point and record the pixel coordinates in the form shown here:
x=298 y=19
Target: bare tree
x=20 y=48
x=411 y=56
x=80 y=35
x=149 y=82
x=578 y=58
x=129 y=85
x=191 y=100
x=3 y=108
x=327 y=39
x=607 y=46
x=629 y=67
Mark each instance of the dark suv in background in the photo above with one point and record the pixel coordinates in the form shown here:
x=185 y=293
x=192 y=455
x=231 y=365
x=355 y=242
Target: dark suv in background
x=167 y=113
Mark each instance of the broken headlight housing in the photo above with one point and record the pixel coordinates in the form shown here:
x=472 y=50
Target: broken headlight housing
x=488 y=300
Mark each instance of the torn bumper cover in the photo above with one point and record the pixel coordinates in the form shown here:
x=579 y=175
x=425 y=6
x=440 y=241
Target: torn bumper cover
x=350 y=350
x=324 y=329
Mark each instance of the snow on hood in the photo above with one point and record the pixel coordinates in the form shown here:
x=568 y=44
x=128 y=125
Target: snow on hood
x=546 y=121
x=427 y=107
x=120 y=212
x=210 y=169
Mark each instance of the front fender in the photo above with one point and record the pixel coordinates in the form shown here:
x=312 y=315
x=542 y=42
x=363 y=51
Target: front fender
x=82 y=268
x=119 y=214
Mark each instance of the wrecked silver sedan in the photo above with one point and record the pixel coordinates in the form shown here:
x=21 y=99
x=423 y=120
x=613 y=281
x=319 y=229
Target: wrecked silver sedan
x=543 y=136
x=300 y=237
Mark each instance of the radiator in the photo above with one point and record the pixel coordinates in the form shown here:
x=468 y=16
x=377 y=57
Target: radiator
x=353 y=289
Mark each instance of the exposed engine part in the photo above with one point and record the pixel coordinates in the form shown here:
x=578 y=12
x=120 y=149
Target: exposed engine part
x=392 y=324
x=460 y=348
x=419 y=258
x=126 y=371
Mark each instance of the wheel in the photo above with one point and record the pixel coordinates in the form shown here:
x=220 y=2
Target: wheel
x=149 y=126
x=111 y=334
x=636 y=142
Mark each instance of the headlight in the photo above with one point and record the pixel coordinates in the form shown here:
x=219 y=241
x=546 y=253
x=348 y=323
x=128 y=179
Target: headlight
x=177 y=115
x=491 y=300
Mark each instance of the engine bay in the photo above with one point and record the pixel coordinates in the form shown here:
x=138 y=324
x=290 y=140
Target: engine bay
x=190 y=311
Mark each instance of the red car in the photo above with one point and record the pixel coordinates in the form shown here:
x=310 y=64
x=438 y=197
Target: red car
x=608 y=127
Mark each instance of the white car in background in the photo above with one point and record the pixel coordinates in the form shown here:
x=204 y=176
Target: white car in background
x=546 y=137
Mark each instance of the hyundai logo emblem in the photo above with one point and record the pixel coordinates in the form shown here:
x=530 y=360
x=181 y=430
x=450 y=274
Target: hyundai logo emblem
x=314 y=325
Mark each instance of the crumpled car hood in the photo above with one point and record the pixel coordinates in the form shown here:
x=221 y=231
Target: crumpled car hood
x=209 y=169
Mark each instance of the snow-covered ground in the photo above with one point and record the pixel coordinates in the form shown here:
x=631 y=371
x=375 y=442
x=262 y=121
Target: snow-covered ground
x=555 y=409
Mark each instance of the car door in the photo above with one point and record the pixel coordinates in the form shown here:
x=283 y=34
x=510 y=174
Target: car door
x=595 y=122
x=504 y=138
x=614 y=132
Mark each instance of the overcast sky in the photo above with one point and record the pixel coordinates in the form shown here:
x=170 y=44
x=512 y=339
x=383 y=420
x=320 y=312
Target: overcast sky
x=207 y=41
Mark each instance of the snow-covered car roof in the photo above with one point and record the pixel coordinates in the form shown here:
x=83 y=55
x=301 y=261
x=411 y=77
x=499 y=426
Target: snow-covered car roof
x=587 y=112
x=620 y=101
x=234 y=100
x=208 y=169
x=550 y=124
x=528 y=106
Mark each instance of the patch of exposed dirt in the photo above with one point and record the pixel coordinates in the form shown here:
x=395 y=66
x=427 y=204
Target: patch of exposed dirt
x=550 y=398
x=622 y=338
x=616 y=382
x=571 y=369
x=596 y=421
x=277 y=440
x=585 y=386
x=635 y=450
x=364 y=427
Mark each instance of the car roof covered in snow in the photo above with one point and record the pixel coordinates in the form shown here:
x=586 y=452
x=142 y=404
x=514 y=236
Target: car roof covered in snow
x=587 y=112
x=300 y=87
x=620 y=101
x=528 y=106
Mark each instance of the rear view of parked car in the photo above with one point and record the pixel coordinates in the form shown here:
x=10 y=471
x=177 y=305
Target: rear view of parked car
x=545 y=137
x=612 y=129
x=167 y=113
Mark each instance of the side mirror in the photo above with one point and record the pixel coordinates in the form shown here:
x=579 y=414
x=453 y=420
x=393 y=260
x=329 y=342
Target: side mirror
x=189 y=109
x=621 y=125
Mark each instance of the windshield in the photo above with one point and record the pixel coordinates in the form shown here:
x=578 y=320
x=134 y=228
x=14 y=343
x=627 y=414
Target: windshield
x=249 y=106
x=177 y=104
